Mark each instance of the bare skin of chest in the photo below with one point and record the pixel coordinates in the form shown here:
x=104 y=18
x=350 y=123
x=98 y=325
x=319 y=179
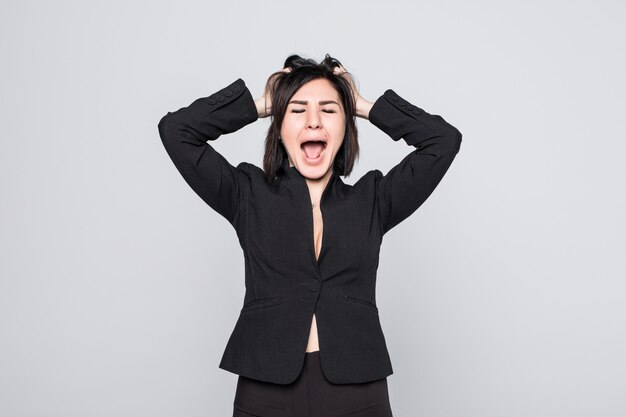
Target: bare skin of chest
x=318 y=227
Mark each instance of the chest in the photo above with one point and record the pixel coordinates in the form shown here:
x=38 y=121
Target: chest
x=283 y=232
x=318 y=230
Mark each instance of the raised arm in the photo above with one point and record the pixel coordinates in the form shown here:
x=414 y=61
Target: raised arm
x=407 y=185
x=185 y=133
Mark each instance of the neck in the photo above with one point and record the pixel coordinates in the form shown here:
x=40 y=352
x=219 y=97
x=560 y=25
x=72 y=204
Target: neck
x=317 y=186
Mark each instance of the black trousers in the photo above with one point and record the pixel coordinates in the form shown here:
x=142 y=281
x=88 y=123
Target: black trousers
x=311 y=395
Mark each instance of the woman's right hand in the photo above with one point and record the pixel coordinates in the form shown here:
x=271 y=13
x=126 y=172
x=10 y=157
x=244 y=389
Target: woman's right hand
x=264 y=103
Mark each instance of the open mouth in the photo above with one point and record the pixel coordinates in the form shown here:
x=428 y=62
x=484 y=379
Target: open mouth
x=313 y=148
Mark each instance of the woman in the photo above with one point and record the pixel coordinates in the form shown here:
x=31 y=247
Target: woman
x=308 y=340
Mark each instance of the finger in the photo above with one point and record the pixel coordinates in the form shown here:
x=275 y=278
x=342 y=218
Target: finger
x=339 y=70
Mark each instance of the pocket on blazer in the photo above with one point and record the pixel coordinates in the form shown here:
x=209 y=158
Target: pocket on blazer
x=362 y=302
x=262 y=303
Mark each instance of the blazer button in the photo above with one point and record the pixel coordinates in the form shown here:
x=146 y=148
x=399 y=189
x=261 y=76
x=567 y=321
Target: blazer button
x=220 y=97
x=314 y=286
x=236 y=88
x=211 y=101
x=227 y=93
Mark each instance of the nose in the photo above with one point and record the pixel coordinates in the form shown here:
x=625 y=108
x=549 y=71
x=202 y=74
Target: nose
x=313 y=120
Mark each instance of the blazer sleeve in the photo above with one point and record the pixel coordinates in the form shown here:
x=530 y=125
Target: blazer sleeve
x=407 y=185
x=186 y=132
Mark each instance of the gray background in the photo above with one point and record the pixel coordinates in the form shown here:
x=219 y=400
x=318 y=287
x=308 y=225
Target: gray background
x=119 y=287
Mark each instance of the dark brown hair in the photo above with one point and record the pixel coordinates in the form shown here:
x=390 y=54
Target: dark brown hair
x=283 y=85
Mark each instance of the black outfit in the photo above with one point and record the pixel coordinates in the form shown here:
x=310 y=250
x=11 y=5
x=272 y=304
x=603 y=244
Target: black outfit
x=311 y=395
x=285 y=284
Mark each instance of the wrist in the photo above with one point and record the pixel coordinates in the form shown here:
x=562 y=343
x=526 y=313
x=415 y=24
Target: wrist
x=363 y=108
x=260 y=107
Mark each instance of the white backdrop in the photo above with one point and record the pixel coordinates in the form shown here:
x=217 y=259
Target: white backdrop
x=513 y=272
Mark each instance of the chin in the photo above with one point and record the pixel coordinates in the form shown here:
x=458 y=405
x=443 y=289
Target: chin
x=313 y=172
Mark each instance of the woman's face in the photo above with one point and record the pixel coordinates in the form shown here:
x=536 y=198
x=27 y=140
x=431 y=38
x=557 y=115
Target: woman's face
x=313 y=128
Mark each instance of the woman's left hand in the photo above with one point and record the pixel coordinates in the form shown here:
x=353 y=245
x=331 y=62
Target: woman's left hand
x=363 y=106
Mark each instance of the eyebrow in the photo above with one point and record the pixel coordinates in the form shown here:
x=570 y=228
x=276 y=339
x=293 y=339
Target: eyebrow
x=321 y=103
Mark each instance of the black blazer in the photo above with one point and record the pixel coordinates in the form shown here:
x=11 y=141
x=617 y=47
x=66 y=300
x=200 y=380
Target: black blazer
x=285 y=284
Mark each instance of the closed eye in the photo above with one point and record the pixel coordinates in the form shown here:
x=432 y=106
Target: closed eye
x=302 y=111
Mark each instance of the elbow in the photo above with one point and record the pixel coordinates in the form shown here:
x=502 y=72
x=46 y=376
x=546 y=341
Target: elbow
x=456 y=139
x=453 y=138
x=451 y=135
x=165 y=120
x=166 y=127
